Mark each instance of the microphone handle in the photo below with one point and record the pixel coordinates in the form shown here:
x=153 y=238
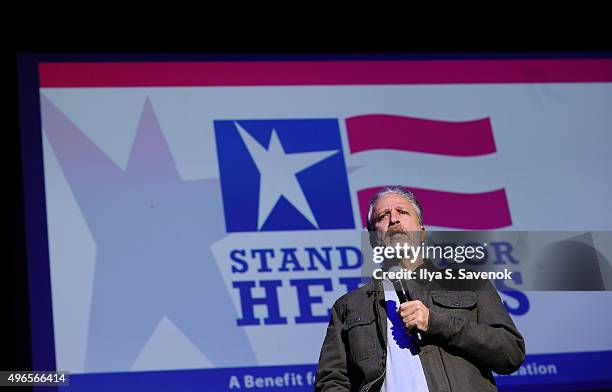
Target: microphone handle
x=404 y=296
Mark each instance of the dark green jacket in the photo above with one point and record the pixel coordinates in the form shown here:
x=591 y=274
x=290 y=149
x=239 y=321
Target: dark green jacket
x=469 y=335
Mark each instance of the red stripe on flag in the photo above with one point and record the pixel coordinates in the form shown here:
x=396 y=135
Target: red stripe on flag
x=304 y=73
x=379 y=131
x=470 y=211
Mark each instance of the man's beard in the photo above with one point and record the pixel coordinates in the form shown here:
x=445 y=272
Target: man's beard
x=398 y=236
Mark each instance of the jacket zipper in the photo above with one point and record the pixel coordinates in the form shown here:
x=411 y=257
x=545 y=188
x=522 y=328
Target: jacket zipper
x=373 y=382
x=382 y=333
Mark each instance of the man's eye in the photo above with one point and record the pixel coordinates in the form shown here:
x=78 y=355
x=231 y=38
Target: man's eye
x=403 y=212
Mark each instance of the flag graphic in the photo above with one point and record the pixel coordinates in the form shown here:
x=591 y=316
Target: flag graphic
x=473 y=211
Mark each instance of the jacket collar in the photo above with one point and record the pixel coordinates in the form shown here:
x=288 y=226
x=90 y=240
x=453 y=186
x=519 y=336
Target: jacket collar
x=376 y=284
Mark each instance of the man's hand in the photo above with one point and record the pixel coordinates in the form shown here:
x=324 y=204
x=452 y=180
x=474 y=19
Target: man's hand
x=414 y=314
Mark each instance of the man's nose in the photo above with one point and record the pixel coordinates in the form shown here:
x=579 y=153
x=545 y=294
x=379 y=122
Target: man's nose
x=394 y=218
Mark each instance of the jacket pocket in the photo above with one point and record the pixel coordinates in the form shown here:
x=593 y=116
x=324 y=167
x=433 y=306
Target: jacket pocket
x=459 y=303
x=360 y=331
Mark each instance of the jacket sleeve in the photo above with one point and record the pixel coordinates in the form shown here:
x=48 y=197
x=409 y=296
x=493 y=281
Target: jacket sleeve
x=493 y=342
x=332 y=373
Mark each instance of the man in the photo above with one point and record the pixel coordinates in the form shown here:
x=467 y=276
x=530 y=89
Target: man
x=372 y=344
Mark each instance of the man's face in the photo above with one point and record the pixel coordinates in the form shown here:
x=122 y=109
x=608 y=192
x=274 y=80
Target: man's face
x=395 y=219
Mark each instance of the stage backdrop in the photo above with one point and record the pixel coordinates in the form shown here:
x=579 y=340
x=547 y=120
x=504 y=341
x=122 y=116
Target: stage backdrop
x=190 y=223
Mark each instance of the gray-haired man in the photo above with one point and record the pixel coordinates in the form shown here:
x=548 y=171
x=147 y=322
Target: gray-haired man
x=370 y=343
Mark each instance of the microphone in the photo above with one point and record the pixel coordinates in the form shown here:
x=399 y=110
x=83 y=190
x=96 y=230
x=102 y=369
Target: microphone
x=403 y=294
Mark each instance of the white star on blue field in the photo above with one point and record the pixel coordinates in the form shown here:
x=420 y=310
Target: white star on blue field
x=153 y=232
x=278 y=174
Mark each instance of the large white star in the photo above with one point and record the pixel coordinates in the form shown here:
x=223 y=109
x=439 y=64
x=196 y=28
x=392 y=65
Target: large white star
x=278 y=174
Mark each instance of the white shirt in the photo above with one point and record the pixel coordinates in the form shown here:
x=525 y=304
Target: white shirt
x=404 y=370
